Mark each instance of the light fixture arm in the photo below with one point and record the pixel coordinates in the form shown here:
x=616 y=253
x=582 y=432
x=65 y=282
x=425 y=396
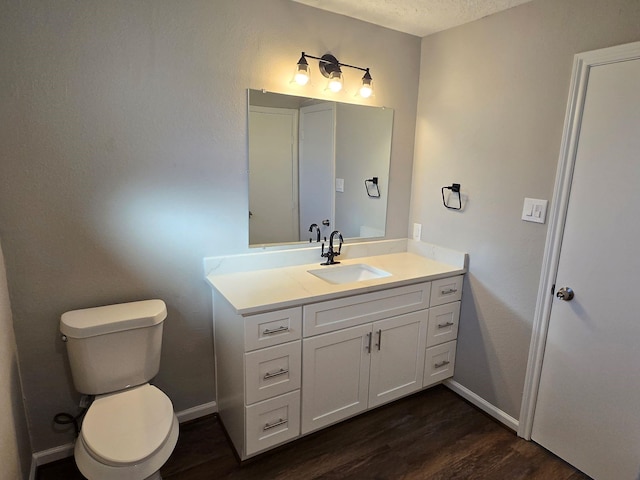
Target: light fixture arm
x=329 y=60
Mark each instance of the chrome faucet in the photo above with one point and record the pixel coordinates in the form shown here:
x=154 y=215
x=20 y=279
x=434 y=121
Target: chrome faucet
x=311 y=227
x=331 y=253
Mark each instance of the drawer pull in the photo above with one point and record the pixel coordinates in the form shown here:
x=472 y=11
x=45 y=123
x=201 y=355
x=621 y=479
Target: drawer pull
x=268 y=375
x=268 y=426
x=447 y=292
x=444 y=325
x=442 y=364
x=283 y=328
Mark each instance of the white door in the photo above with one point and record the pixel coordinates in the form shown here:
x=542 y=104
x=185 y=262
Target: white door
x=397 y=357
x=273 y=175
x=588 y=405
x=335 y=376
x=317 y=166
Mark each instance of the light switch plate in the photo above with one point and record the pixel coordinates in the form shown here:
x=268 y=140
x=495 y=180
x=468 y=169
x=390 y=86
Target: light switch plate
x=417 y=231
x=339 y=184
x=534 y=210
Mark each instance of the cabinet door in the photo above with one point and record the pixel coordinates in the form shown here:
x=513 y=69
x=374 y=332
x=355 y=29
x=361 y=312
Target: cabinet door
x=335 y=376
x=397 y=357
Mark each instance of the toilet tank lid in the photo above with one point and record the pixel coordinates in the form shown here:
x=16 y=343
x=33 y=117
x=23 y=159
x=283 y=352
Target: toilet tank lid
x=90 y=322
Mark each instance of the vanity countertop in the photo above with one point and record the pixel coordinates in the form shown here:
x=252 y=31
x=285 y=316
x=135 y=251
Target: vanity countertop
x=272 y=289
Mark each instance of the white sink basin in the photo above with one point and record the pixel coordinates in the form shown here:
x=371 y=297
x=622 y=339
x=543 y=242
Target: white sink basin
x=339 y=274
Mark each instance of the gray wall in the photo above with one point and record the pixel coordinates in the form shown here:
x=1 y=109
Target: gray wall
x=15 y=454
x=124 y=161
x=491 y=110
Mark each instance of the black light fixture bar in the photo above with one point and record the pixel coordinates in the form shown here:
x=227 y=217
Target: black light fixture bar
x=327 y=58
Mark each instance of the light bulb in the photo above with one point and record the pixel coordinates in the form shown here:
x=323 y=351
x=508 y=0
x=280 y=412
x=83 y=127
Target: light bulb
x=335 y=81
x=366 y=91
x=367 y=85
x=302 y=77
x=302 y=71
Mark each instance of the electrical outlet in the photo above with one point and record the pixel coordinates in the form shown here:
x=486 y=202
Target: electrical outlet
x=417 y=231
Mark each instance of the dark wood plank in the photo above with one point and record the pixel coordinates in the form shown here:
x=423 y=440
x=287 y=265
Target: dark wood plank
x=430 y=435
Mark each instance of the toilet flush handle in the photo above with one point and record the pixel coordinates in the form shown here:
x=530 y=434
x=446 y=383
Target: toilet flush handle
x=63 y=337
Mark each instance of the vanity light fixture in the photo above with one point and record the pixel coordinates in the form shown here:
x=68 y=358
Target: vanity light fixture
x=302 y=72
x=330 y=68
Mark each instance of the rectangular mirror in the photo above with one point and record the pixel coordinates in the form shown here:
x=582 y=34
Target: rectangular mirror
x=316 y=162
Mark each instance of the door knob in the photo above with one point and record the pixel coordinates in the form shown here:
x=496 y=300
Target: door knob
x=565 y=293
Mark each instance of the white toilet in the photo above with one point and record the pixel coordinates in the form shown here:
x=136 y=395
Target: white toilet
x=130 y=429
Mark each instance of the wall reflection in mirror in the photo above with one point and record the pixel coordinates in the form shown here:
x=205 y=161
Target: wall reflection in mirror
x=313 y=162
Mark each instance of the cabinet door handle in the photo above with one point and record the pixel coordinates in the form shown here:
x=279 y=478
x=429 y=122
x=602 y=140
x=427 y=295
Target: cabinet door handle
x=442 y=364
x=368 y=345
x=447 y=292
x=268 y=426
x=282 y=371
x=379 y=339
x=283 y=328
x=444 y=325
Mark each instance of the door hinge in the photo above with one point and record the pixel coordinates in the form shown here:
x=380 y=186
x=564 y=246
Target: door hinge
x=553 y=289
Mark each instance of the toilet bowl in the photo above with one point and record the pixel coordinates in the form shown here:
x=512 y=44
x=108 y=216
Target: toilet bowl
x=130 y=429
x=127 y=435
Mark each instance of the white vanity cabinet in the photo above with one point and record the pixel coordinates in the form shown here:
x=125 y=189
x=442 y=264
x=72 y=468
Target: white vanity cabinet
x=258 y=375
x=284 y=373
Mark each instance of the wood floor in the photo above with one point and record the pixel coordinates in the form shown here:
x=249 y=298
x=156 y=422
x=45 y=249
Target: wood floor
x=430 y=435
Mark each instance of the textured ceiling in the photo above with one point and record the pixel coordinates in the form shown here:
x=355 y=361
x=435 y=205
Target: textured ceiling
x=417 y=17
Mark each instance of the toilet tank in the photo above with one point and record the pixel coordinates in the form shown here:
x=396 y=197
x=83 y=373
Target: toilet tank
x=114 y=347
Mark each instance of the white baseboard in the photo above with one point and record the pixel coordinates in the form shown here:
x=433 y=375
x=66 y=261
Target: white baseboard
x=63 y=451
x=483 y=405
x=197 y=412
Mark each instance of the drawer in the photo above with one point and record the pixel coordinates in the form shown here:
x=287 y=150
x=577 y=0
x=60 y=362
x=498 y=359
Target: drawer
x=272 y=371
x=446 y=290
x=356 y=310
x=272 y=328
x=439 y=363
x=272 y=422
x=443 y=323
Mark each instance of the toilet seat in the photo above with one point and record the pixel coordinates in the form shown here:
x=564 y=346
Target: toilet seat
x=128 y=427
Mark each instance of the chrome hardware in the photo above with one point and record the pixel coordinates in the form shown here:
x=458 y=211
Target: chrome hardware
x=442 y=364
x=379 y=344
x=447 y=292
x=368 y=346
x=326 y=222
x=268 y=426
x=63 y=338
x=282 y=371
x=565 y=293
x=444 y=325
x=283 y=328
